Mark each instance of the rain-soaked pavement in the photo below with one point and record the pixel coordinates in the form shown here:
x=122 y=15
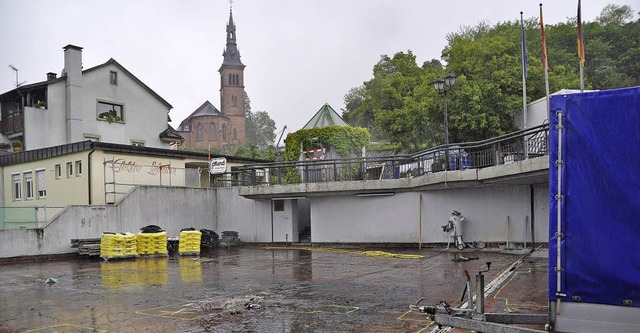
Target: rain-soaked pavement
x=253 y=289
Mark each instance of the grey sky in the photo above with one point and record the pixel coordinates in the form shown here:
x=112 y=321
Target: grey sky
x=299 y=54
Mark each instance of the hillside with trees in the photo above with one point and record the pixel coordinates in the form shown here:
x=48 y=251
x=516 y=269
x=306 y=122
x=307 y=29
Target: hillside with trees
x=400 y=105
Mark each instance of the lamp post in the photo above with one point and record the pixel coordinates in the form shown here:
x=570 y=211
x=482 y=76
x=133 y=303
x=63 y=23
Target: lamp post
x=442 y=86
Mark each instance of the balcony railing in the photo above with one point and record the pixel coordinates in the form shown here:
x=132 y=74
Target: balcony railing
x=505 y=149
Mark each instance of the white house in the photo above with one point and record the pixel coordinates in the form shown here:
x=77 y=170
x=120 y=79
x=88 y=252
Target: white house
x=537 y=110
x=104 y=103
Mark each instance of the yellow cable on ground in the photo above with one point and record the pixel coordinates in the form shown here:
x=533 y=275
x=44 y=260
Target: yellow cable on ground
x=375 y=254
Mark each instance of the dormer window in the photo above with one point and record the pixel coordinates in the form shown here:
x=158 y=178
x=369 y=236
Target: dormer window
x=113 y=78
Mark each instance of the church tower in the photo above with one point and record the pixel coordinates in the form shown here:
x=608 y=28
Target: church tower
x=232 y=88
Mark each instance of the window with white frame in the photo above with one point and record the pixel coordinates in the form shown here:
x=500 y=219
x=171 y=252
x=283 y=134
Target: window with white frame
x=69 y=169
x=17 y=186
x=92 y=138
x=42 y=183
x=28 y=185
x=78 y=168
x=58 y=171
x=137 y=143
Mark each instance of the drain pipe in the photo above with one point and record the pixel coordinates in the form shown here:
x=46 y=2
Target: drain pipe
x=89 y=175
x=558 y=197
x=271 y=221
x=533 y=218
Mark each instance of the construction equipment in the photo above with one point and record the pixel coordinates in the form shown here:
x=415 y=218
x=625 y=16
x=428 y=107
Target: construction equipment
x=471 y=315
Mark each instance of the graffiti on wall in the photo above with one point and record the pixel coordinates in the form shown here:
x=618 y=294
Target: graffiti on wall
x=156 y=168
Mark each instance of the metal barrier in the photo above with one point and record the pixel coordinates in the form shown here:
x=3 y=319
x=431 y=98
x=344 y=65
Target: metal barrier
x=505 y=149
x=26 y=217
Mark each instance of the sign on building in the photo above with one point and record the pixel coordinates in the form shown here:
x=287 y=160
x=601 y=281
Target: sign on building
x=218 y=165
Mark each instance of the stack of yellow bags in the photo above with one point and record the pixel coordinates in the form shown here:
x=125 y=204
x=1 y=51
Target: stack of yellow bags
x=118 y=245
x=129 y=243
x=189 y=242
x=152 y=243
x=108 y=246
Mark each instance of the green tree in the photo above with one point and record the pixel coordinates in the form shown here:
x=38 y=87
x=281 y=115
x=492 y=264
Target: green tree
x=264 y=129
x=400 y=105
x=614 y=14
x=249 y=129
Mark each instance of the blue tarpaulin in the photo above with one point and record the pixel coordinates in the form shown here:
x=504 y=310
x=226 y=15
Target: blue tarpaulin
x=600 y=207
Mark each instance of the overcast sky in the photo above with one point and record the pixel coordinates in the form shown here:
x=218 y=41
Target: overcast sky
x=299 y=54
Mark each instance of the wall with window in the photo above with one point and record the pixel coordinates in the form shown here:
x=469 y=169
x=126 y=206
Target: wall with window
x=140 y=115
x=57 y=181
x=47 y=127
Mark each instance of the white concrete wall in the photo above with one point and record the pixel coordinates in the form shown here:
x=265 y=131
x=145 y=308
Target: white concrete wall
x=335 y=219
x=52 y=119
x=351 y=219
x=170 y=208
x=250 y=218
x=145 y=117
x=396 y=219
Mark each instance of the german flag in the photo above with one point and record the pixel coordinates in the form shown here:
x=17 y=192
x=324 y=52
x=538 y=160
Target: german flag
x=544 y=42
x=581 y=53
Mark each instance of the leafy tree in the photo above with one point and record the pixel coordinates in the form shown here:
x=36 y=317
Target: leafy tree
x=264 y=129
x=259 y=127
x=614 y=14
x=249 y=130
x=399 y=103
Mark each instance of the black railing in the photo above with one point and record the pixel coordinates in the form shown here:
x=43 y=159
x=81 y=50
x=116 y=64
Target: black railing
x=505 y=149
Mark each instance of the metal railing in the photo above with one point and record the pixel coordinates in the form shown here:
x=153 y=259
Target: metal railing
x=505 y=149
x=28 y=217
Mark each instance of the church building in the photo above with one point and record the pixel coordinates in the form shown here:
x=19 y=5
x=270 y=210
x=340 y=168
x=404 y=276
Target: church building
x=210 y=127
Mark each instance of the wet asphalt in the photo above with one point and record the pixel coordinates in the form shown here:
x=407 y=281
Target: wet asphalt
x=254 y=289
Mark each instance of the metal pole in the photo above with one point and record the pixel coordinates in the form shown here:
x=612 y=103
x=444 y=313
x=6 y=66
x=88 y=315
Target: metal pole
x=558 y=197
x=581 y=77
x=446 y=120
x=446 y=132
x=420 y=245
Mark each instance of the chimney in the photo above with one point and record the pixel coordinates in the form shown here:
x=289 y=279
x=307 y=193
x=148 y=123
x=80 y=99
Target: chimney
x=51 y=76
x=73 y=92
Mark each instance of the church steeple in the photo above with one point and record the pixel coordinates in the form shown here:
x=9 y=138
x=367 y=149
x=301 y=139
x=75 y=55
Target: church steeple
x=231 y=53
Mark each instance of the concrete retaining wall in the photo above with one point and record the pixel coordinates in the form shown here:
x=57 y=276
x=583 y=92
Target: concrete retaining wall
x=333 y=219
x=396 y=219
x=171 y=208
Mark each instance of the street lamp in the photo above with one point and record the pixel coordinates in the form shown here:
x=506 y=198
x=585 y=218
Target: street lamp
x=442 y=86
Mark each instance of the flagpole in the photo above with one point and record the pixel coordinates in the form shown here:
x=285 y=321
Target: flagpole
x=581 y=77
x=524 y=75
x=581 y=53
x=544 y=62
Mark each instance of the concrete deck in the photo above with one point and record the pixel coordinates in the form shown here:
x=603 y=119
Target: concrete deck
x=253 y=289
x=530 y=171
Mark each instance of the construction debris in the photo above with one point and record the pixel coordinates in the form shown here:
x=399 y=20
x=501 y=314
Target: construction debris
x=87 y=246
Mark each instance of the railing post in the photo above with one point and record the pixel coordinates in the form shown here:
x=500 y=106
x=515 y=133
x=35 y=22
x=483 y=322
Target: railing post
x=497 y=154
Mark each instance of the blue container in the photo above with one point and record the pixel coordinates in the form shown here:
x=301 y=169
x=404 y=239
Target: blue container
x=465 y=162
x=453 y=162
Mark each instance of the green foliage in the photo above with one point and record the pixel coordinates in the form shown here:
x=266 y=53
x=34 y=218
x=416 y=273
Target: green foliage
x=110 y=116
x=614 y=14
x=249 y=150
x=259 y=127
x=400 y=105
x=347 y=141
